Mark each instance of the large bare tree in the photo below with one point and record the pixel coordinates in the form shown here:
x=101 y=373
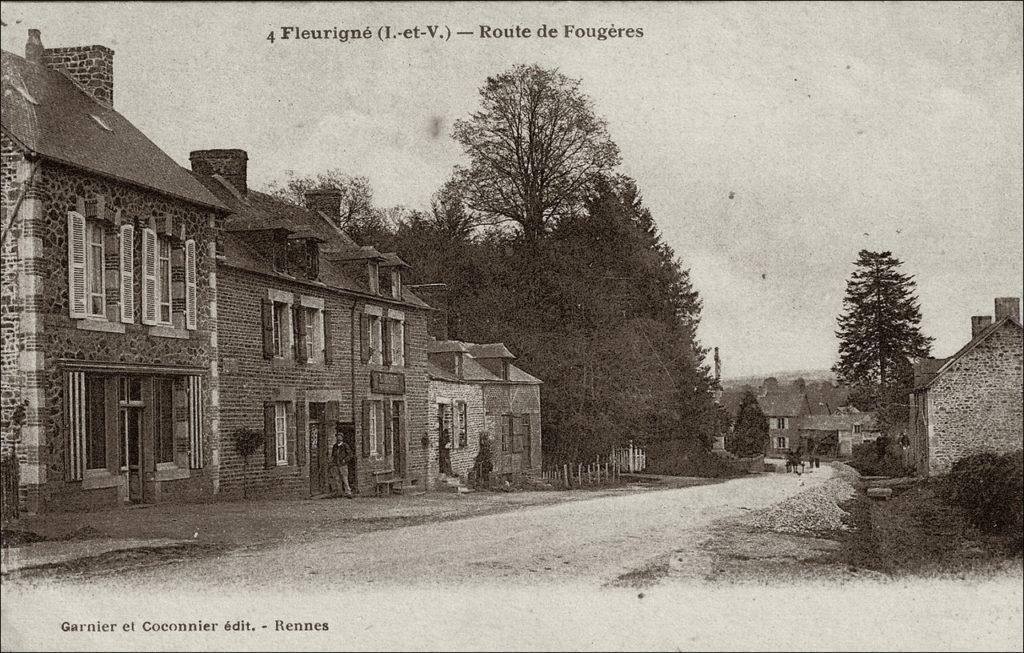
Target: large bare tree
x=535 y=147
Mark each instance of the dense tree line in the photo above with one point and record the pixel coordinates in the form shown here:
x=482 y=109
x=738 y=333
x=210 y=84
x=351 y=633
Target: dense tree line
x=546 y=248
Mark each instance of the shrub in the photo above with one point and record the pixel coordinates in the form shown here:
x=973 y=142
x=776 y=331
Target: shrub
x=990 y=488
x=881 y=458
x=483 y=464
x=247 y=442
x=683 y=458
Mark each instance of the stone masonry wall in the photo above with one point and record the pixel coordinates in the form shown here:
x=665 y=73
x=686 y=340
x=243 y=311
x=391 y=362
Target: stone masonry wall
x=975 y=405
x=58 y=187
x=11 y=408
x=463 y=458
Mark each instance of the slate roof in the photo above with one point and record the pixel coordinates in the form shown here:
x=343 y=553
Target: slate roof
x=839 y=422
x=46 y=114
x=783 y=404
x=472 y=370
x=490 y=350
x=438 y=373
x=256 y=211
x=929 y=371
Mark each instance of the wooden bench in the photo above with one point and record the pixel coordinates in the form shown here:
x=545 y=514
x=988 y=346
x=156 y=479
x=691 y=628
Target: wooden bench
x=385 y=481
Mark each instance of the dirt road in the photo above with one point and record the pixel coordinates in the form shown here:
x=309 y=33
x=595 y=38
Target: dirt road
x=595 y=541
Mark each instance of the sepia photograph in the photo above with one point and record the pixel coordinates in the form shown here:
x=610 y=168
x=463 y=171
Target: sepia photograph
x=471 y=326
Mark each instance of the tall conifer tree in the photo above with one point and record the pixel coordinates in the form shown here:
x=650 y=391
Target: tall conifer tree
x=880 y=328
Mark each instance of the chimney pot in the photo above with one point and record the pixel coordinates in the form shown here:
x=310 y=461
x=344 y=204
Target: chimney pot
x=979 y=323
x=1008 y=307
x=232 y=165
x=34 y=46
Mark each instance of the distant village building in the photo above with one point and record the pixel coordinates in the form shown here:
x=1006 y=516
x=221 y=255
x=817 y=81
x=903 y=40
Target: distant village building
x=784 y=408
x=970 y=401
x=835 y=435
x=108 y=319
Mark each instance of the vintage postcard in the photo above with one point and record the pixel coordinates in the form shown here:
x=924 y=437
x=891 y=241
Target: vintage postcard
x=511 y=326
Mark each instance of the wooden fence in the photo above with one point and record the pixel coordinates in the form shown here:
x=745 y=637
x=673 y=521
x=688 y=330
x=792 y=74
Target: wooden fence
x=631 y=459
x=603 y=470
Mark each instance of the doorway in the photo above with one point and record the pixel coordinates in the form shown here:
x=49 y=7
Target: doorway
x=320 y=444
x=131 y=441
x=398 y=433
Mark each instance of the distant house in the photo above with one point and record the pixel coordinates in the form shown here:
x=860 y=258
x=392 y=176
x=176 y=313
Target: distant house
x=835 y=435
x=784 y=408
x=970 y=401
x=475 y=389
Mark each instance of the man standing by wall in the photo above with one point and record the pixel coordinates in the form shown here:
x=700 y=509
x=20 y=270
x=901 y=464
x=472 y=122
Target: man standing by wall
x=341 y=454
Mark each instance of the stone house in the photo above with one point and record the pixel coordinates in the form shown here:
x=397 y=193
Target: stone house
x=784 y=408
x=109 y=386
x=971 y=401
x=835 y=435
x=317 y=335
x=477 y=391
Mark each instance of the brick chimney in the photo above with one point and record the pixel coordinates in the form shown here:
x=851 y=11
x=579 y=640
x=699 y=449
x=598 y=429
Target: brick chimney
x=1008 y=307
x=436 y=295
x=232 y=165
x=91 y=67
x=979 y=323
x=326 y=200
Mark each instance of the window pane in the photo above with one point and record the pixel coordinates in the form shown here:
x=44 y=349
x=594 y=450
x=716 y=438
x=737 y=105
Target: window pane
x=281 y=432
x=97 y=422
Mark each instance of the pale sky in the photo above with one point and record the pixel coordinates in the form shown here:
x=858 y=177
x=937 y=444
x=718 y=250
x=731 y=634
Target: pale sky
x=834 y=127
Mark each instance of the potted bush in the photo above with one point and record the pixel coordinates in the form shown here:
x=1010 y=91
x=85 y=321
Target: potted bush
x=247 y=442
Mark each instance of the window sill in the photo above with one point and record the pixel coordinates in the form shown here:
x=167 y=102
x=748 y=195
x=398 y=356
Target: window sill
x=98 y=324
x=167 y=332
x=96 y=479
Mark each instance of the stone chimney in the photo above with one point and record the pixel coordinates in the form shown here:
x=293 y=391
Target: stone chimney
x=436 y=295
x=1008 y=307
x=326 y=200
x=91 y=67
x=232 y=165
x=979 y=323
x=34 y=47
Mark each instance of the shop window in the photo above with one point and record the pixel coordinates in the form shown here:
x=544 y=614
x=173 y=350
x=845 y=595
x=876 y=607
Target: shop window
x=163 y=420
x=463 y=426
x=96 y=440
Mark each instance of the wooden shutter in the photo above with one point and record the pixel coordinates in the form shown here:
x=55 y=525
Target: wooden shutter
x=367 y=407
x=301 y=433
x=76 y=265
x=149 y=273
x=405 y=346
x=300 y=333
x=269 y=437
x=387 y=430
x=385 y=341
x=76 y=421
x=127 y=272
x=328 y=338
x=191 y=289
x=364 y=336
x=195 y=416
x=268 y=328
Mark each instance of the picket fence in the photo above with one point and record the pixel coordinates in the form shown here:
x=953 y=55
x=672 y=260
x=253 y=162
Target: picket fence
x=603 y=470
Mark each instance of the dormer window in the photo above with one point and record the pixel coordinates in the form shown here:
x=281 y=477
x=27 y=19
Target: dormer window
x=396 y=283
x=373 y=272
x=302 y=258
x=505 y=370
x=459 y=370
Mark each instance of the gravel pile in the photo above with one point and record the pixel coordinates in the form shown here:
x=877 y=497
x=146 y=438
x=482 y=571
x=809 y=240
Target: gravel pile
x=812 y=511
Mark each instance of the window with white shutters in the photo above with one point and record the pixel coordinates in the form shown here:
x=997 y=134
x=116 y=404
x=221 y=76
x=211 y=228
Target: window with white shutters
x=191 y=291
x=150 y=292
x=77 y=303
x=127 y=272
